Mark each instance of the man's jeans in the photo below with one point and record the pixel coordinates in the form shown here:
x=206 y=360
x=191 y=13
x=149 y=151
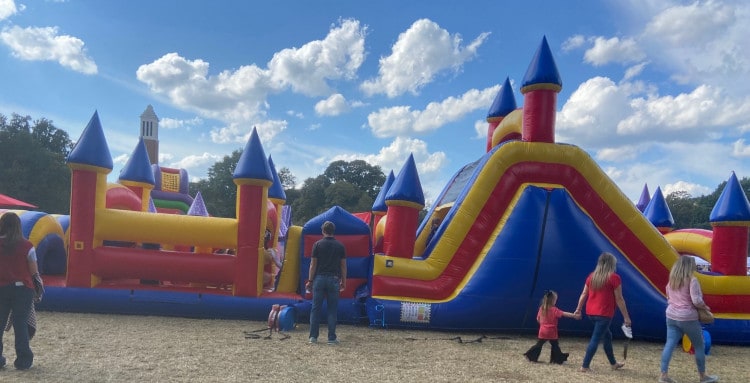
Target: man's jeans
x=325 y=287
x=601 y=334
x=694 y=331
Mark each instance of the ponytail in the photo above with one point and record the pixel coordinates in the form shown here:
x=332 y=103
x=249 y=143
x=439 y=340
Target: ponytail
x=547 y=301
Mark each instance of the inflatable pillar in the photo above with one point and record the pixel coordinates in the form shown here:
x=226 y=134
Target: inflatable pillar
x=730 y=219
x=137 y=175
x=505 y=102
x=541 y=84
x=90 y=162
x=277 y=196
x=379 y=208
x=658 y=213
x=253 y=178
x=404 y=200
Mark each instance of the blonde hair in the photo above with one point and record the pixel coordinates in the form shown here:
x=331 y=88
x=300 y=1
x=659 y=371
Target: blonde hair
x=605 y=267
x=682 y=271
x=547 y=301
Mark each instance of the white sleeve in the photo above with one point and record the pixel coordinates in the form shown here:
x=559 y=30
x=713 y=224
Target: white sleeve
x=32 y=254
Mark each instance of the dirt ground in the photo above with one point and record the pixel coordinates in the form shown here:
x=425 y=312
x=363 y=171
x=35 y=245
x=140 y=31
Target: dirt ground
x=111 y=348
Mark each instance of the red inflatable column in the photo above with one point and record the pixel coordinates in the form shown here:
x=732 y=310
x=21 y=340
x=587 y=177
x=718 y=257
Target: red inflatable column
x=399 y=238
x=251 y=225
x=730 y=219
x=87 y=194
x=253 y=178
x=505 y=102
x=90 y=162
x=540 y=87
x=141 y=189
x=729 y=249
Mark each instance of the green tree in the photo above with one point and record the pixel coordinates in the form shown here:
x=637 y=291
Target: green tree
x=695 y=212
x=311 y=201
x=366 y=177
x=351 y=185
x=288 y=180
x=218 y=189
x=33 y=162
x=687 y=212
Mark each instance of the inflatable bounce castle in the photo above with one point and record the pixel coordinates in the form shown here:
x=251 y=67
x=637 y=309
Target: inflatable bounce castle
x=529 y=215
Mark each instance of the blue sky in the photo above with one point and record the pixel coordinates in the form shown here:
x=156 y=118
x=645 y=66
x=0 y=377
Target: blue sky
x=656 y=91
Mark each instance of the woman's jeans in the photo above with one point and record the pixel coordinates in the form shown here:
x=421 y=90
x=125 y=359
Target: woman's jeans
x=325 y=287
x=601 y=334
x=19 y=299
x=675 y=330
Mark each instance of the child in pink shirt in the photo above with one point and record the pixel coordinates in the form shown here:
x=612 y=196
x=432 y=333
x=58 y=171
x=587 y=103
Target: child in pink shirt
x=547 y=317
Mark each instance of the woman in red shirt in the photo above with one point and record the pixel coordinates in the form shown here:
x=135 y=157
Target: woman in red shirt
x=18 y=280
x=601 y=292
x=547 y=317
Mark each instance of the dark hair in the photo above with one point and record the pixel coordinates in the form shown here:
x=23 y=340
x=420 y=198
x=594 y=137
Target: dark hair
x=10 y=228
x=328 y=228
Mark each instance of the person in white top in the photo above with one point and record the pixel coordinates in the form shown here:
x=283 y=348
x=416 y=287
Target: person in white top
x=683 y=296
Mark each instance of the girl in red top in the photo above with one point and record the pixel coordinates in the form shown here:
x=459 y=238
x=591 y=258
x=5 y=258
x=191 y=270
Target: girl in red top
x=602 y=291
x=547 y=317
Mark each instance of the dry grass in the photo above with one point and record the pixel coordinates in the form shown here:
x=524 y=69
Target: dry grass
x=108 y=348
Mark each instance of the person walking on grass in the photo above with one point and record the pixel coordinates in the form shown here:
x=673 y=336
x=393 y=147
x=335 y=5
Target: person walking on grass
x=20 y=285
x=326 y=278
x=683 y=296
x=547 y=317
x=601 y=292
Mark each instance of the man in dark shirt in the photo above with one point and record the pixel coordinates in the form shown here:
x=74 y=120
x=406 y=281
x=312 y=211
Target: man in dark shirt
x=327 y=277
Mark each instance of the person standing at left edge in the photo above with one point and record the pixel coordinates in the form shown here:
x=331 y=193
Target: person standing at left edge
x=326 y=278
x=20 y=284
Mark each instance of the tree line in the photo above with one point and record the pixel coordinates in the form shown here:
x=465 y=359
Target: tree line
x=33 y=168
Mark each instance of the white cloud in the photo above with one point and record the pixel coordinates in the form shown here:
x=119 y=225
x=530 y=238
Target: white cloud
x=739 y=149
x=573 y=42
x=240 y=133
x=293 y=113
x=239 y=97
x=307 y=69
x=600 y=112
x=196 y=161
x=590 y=116
x=703 y=42
x=694 y=190
x=634 y=71
x=402 y=120
x=171 y=123
x=165 y=157
x=704 y=108
x=44 y=44
x=618 y=154
x=332 y=106
x=122 y=159
x=481 y=126
x=613 y=49
x=695 y=23
x=394 y=156
x=418 y=56
x=7 y=9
